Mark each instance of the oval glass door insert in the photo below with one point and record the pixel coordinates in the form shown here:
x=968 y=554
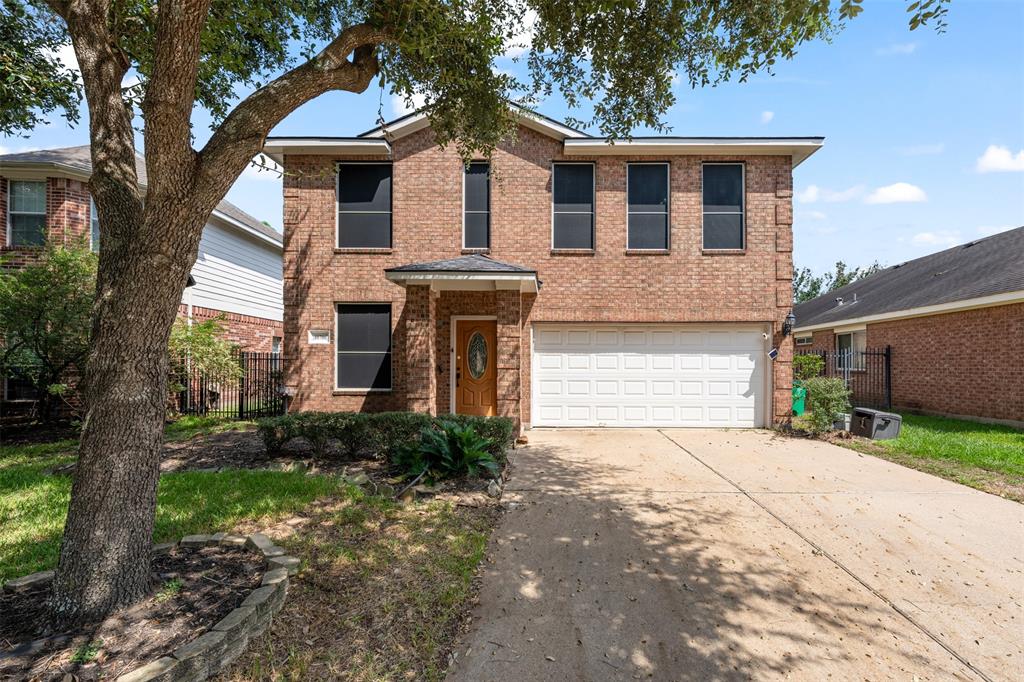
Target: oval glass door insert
x=477 y=354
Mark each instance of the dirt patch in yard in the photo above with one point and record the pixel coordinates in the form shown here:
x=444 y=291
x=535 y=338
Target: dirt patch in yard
x=193 y=590
x=384 y=590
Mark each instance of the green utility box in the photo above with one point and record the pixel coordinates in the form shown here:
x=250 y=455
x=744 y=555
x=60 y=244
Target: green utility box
x=799 y=397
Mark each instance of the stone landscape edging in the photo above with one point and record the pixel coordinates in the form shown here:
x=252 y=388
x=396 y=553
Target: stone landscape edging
x=218 y=647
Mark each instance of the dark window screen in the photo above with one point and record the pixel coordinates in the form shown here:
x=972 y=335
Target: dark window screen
x=647 y=191
x=364 y=205
x=723 y=206
x=573 y=190
x=477 y=209
x=364 y=345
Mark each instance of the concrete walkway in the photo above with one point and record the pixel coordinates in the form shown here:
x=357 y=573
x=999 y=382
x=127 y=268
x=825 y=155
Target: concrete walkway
x=729 y=555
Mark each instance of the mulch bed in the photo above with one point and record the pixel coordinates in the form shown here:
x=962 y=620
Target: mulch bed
x=213 y=581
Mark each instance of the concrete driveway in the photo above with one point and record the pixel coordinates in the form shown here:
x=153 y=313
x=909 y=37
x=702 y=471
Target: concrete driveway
x=692 y=555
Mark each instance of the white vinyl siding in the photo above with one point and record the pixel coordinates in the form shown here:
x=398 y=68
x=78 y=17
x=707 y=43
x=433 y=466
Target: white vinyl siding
x=649 y=375
x=237 y=273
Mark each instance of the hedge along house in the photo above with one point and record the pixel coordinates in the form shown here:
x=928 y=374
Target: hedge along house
x=237 y=275
x=954 y=321
x=566 y=282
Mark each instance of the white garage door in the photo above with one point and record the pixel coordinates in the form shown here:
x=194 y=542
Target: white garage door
x=648 y=375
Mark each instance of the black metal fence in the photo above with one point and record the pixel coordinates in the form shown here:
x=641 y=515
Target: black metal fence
x=867 y=373
x=256 y=391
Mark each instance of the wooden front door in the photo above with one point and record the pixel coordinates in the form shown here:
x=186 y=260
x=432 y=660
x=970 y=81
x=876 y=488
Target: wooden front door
x=476 y=367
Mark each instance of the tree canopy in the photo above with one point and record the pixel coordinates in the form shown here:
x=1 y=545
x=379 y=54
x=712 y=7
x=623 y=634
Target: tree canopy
x=807 y=285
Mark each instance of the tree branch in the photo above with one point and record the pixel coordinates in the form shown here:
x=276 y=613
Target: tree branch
x=241 y=135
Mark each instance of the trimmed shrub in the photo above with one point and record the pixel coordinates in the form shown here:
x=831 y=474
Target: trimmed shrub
x=828 y=397
x=389 y=431
x=807 y=366
x=276 y=431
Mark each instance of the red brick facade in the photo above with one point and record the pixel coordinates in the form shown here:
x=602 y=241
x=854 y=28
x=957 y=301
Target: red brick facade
x=254 y=334
x=964 y=363
x=607 y=284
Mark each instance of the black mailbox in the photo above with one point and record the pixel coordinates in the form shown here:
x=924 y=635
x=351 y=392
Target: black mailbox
x=875 y=424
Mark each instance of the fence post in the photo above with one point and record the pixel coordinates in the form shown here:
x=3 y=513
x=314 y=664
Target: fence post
x=241 y=386
x=888 y=377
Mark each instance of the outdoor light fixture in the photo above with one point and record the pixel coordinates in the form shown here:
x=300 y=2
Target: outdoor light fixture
x=787 y=326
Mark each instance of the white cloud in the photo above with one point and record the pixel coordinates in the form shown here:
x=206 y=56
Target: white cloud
x=897 y=193
x=896 y=48
x=816 y=215
x=263 y=168
x=401 y=107
x=943 y=238
x=519 y=44
x=997 y=159
x=922 y=149
x=989 y=230
x=4 y=150
x=814 y=193
x=767 y=116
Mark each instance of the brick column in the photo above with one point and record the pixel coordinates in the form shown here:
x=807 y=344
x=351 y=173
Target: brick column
x=420 y=349
x=509 y=312
x=782 y=369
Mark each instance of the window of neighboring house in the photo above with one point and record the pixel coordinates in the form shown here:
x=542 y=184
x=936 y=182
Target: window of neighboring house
x=364 y=205
x=804 y=340
x=364 y=346
x=26 y=213
x=94 y=227
x=851 y=347
x=723 y=206
x=476 y=221
x=647 y=206
x=573 y=208
x=275 y=345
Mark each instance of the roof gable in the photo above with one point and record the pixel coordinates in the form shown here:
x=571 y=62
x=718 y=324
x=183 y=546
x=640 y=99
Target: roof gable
x=418 y=120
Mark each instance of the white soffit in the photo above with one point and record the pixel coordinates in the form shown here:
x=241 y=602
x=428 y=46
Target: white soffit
x=798 y=148
x=277 y=147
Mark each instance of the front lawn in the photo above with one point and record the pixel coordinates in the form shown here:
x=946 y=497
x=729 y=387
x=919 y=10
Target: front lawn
x=984 y=456
x=33 y=503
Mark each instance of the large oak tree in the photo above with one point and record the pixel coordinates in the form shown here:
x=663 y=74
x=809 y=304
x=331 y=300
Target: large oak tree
x=620 y=54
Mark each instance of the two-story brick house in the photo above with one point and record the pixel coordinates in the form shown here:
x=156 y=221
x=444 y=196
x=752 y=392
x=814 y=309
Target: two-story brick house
x=566 y=282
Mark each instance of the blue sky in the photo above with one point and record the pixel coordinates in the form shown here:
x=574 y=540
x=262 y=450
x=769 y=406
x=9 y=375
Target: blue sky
x=924 y=132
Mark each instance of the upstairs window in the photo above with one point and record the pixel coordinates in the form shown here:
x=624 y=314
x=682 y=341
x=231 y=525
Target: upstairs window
x=26 y=219
x=723 y=206
x=573 y=210
x=364 y=205
x=364 y=346
x=476 y=223
x=647 y=206
x=94 y=227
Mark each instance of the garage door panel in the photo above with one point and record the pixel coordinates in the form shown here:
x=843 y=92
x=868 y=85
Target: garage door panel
x=648 y=375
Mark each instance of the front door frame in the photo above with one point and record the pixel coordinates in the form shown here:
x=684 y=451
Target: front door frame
x=451 y=353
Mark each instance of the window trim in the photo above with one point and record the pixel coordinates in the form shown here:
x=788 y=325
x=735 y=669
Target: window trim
x=465 y=168
x=11 y=211
x=743 y=212
x=668 y=205
x=593 y=203
x=337 y=351
x=337 y=206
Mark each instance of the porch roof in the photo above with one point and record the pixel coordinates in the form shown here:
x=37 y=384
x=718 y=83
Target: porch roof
x=472 y=272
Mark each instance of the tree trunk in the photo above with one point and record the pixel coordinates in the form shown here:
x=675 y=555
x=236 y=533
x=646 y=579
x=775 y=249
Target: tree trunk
x=105 y=554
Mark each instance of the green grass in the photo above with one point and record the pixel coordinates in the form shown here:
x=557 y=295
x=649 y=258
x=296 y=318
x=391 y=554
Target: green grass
x=33 y=504
x=986 y=446
x=190 y=426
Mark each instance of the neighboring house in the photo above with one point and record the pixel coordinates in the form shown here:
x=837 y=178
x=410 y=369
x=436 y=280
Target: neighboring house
x=569 y=282
x=954 y=321
x=44 y=198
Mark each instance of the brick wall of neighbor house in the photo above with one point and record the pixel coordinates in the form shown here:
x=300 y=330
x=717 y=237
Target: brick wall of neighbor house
x=254 y=334
x=606 y=285
x=965 y=363
x=823 y=340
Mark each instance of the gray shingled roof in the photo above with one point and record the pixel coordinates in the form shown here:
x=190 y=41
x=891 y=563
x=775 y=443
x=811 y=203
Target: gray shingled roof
x=80 y=160
x=471 y=263
x=993 y=265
